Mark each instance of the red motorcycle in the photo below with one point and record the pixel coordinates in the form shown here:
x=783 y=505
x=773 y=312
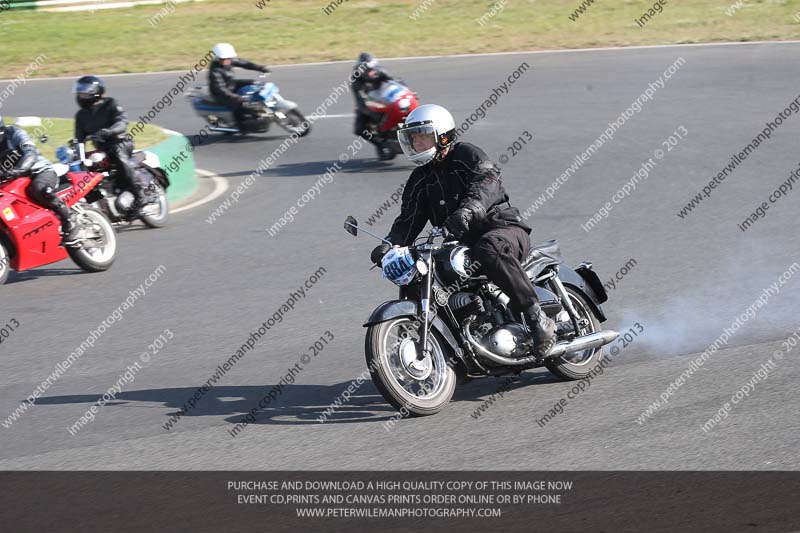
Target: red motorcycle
x=392 y=102
x=30 y=234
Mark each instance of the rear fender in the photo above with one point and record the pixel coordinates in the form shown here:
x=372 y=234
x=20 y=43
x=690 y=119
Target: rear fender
x=577 y=282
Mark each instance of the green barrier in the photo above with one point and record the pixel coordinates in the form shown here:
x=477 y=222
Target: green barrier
x=18 y=4
x=178 y=163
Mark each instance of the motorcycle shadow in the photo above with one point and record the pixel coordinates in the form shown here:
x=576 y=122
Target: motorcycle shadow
x=239 y=138
x=296 y=404
x=319 y=168
x=30 y=275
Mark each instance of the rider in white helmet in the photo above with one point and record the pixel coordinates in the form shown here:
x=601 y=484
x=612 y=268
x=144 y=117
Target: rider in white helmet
x=455 y=185
x=221 y=82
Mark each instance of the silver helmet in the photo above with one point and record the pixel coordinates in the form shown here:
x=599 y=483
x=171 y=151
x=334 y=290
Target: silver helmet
x=429 y=120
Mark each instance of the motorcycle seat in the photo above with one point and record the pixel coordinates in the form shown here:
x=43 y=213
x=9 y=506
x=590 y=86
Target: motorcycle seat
x=548 y=250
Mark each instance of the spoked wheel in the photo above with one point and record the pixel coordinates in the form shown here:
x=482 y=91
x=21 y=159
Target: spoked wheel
x=295 y=123
x=5 y=260
x=418 y=387
x=157 y=213
x=578 y=365
x=97 y=247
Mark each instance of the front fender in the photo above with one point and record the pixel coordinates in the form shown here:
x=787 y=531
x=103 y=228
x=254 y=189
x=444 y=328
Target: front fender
x=283 y=104
x=408 y=308
x=392 y=309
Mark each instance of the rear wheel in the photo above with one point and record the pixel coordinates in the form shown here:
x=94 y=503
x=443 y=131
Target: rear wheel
x=295 y=123
x=5 y=260
x=415 y=388
x=578 y=365
x=157 y=213
x=97 y=248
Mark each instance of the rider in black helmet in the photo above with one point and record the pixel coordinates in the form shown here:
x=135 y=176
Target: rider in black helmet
x=369 y=75
x=19 y=157
x=104 y=118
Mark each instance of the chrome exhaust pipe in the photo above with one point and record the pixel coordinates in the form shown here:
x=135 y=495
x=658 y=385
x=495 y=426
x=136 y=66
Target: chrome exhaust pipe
x=587 y=342
x=223 y=129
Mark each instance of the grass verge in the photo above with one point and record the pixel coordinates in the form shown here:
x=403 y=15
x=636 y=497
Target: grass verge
x=175 y=36
x=60 y=130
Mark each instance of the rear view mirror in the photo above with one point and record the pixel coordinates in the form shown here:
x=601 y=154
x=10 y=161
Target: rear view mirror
x=351 y=226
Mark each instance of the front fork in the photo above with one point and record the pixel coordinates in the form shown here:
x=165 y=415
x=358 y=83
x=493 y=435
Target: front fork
x=425 y=307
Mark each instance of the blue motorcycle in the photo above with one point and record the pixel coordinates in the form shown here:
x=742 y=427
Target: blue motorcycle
x=264 y=106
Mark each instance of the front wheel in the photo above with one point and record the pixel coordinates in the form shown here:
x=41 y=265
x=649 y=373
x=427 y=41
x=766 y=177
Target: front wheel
x=414 y=387
x=578 y=365
x=97 y=248
x=157 y=214
x=295 y=123
x=5 y=262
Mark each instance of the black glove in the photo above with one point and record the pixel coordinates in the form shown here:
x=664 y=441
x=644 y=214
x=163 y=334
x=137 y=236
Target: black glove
x=263 y=69
x=7 y=175
x=378 y=253
x=102 y=135
x=458 y=223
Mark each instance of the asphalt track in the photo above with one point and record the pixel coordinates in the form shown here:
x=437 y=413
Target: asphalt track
x=693 y=277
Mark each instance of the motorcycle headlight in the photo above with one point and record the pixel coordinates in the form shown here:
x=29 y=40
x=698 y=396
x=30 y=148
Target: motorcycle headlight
x=460 y=262
x=65 y=154
x=404 y=104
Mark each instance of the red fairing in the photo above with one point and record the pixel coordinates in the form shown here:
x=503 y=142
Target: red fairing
x=394 y=101
x=33 y=230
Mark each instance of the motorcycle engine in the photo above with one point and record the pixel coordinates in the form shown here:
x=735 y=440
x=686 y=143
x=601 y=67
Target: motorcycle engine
x=123 y=202
x=508 y=340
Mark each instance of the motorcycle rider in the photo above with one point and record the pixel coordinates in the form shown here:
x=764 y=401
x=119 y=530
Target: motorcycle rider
x=221 y=83
x=102 y=117
x=368 y=75
x=19 y=157
x=455 y=185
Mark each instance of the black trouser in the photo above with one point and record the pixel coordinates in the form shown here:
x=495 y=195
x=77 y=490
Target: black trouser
x=240 y=112
x=500 y=252
x=42 y=190
x=364 y=120
x=120 y=155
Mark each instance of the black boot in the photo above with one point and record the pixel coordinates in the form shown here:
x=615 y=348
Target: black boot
x=384 y=152
x=69 y=222
x=69 y=230
x=142 y=199
x=542 y=328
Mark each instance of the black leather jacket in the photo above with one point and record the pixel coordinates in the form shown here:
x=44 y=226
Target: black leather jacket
x=465 y=178
x=360 y=87
x=19 y=156
x=221 y=81
x=106 y=114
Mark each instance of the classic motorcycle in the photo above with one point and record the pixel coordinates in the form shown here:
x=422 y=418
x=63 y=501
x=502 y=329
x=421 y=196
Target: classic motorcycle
x=109 y=196
x=30 y=236
x=265 y=104
x=451 y=324
x=391 y=103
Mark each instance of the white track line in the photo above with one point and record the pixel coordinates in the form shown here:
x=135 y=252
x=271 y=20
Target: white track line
x=332 y=116
x=486 y=54
x=220 y=186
